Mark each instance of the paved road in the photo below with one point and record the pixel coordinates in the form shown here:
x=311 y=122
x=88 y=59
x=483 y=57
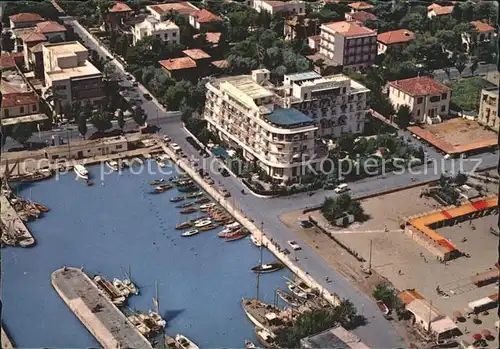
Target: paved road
x=481 y=70
x=379 y=333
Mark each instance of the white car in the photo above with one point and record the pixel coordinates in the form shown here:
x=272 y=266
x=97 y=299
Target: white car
x=295 y=246
x=341 y=188
x=166 y=139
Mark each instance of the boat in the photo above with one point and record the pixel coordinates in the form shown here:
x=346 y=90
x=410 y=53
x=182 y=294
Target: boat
x=177 y=198
x=202 y=223
x=131 y=286
x=267 y=267
x=184 y=205
x=223 y=218
x=202 y=201
x=189 y=210
x=201 y=219
x=162 y=188
x=194 y=195
x=296 y=290
x=229 y=229
x=157 y=181
x=260 y=313
x=121 y=287
x=41 y=207
x=112 y=164
x=190 y=232
x=249 y=344
x=188 y=189
x=256 y=241
x=89 y=182
x=184 y=182
x=81 y=171
x=164 y=157
x=184 y=225
x=176 y=179
x=37 y=176
x=185 y=343
x=288 y=298
x=208 y=227
x=238 y=235
x=207 y=206
x=110 y=291
x=383 y=308
x=265 y=337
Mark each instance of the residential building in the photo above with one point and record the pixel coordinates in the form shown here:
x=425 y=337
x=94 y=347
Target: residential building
x=162 y=11
x=219 y=67
x=348 y=44
x=10 y=60
x=484 y=33
x=70 y=75
x=24 y=20
x=166 y=31
x=35 y=60
x=436 y=10
x=336 y=337
x=360 y=6
x=201 y=58
x=42 y=32
x=87 y=149
x=360 y=16
x=395 y=39
x=300 y=27
x=273 y=7
x=428 y=99
x=212 y=38
x=204 y=20
x=117 y=13
x=488 y=109
x=336 y=103
x=179 y=68
x=313 y=42
x=51 y=30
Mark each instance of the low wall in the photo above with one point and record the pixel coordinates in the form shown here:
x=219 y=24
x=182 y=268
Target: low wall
x=430 y=245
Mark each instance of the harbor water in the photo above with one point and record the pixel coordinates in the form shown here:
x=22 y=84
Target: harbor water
x=115 y=224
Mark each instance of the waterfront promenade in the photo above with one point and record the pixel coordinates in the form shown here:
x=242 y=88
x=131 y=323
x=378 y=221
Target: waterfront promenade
x=101 y=317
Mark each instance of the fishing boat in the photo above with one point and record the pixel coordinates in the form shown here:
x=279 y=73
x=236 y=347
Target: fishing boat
x=222 y=218
x=162 y=188
x=37 y=176
x=208 y=227
x=296 y=290
x=176 y=179
x=112 y=164
x=177 y=198
x=157 y=181
x=131 y=286
x=202 y=223
x=288 y=298
x=184 y=225
x=261 y=314
x=184 y=205
x=383 y=308
x=189 y=210
x=237 y=235
x=202 y=201
x=124 y=291
x=185 y=343
x=267 y=267
x=195 y=195
x=256 y=241
x=81 y=171
x=229 y=229
x=190 y=232
x=41 y=207
x=188 y=189
x=265 y=337
x=184 y=182
x=201 y=219
x=205 y=207
x=249 y=344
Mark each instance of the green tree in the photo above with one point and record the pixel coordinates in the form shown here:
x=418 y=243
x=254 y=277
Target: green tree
x=460 y=63
x=101 y=120
x=121 y=120
x=387 y=294
x=473 y=65
x=82 y=125
x=7 y=42
x=346 y=142
x=403 y=116
x=22 y=133
x=139 y=116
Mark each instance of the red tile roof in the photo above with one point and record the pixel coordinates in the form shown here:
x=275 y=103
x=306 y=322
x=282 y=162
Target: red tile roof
x=196 y=53
x=363 y=16
x=361 y=5
x=204 y=16
x=211 y=37
x=25 y=17
x=349 y=28
x=178 y=63
x=482 y=27
x=7 y=61
x=10 y=100
x=440 y=10
x=223 y=64
x=395 y=36
x=120 y=7
x=274 y=3
x=50 y=27
x=181 y=7
x=37 y=48
x=419 y=86
x=33 y=36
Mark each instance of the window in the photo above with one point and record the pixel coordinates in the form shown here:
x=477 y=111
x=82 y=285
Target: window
x=358 y=127
x=444 y=96
x=418 y=112
x=443 y=108
x=158 y=36
x=420 y=100
x=119 y=146
x=21 y=110
x=174 y=34
x=165 y=36
x=435 y=99
x=34 y=107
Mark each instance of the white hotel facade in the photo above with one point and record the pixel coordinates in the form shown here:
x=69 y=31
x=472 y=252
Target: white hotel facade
x=281 y=127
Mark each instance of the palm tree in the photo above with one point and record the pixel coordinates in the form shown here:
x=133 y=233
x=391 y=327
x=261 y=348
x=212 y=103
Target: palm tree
x=53 y=98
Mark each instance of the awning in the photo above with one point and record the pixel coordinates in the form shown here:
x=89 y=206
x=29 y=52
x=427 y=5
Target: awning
x=24 y=119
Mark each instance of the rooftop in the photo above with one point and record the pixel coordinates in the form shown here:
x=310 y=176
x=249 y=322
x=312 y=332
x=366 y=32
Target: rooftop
x=440 y=10
x=120 y=7
x=196 y=54
x=288 y=117
x=67 y=49
x=395 y=36
x=10 y=100
x=178 y=63
x=349 y=28
x=363 y=16
x=50 y=27
x=23 y=119
x=337 y=337
x=361 y=5
x=222 y=64
x=32 y=35
x=37 y=48
x=25 y=17
x=482 y=27
x=180 y=7
x=419 y=86
x=211 y=37
x=244 y=84
x=274 y=3
x=303 y=76
x=8 y=60
x=205 y=16
x=13 y=82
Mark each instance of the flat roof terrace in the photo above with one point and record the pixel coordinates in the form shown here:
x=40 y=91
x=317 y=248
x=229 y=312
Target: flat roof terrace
x=288 y=118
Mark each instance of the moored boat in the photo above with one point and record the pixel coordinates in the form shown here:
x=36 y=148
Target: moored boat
x=131 y=286
x=188 y=189
x=162 y=188
x=188 y=210
x=202 y=201
x=184 y=205
x=112 y=164
x=237 y=235
x=256 y=241
x=296 y=290
x=288 y=298
x=208 y=227
x=260 y=313
x=184 y=225
x=177 y=198
x=41 y=207
x=81 y=171
x=249 y=344
x=184 y=183
x=157 y=181
x=268 y=267
x=190 y=232
x=37 y=176
x=202 y=223
x=121 y=287
x=195 y=195
x=185 y=343
x=207 y=206
x=265 y=337
x=229 y=229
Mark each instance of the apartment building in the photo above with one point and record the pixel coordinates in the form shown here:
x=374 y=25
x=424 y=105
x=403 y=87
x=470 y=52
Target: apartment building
x=204 y=20
x=348 y=44
x=166 y=31
x=394 y=39
x=428 y=99
x=273 y=6
x=488 y=109
x=24 y=20
x=162 y=11
x=70 y=75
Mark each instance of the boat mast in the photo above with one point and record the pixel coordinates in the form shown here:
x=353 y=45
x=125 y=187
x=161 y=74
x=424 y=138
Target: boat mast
x=156 y=301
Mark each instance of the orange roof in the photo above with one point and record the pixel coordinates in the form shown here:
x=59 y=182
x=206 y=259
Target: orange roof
x=408 y=296
x=433 y=6
x=220 y=64
x=50 y=27
x=196 y=53
x=8 y=60
x=19 y=99
x=395 y=36
x=37 y=48
x=441 y=10
x=363 y=16
x=349 y=28
x=211 y=37
x=25 y=17
x=419 y=86
x=33 y=36
x=361 y=5
x=482 y=27
x=120 y=7
x=181 y=7
x=204 y=16
x=178 y=63
x=274 y=3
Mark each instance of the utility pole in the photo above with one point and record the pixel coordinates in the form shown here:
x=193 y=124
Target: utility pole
x=370 y=258
x=430 y=316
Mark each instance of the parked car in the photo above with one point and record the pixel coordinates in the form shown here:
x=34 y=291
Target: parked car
x=147 y=97
x=166 y=139
x=225 y=192
x=341 y=188
x=225 y=173
x=294 y=245
x=135 y=84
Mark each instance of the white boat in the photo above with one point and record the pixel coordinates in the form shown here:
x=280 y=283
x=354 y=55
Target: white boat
x=124 y=291
x=209 y=205
x=157 y=319
x=296 y=290
x=164 y=157
x=131 y=287
x=112 y=164
x=185 y=343
x=203 y=223
x=201 y=220
x=190 y=232
x=229 y=228
x=256 y=241
x=81 y=171
x=249 y=344
x=161 y=163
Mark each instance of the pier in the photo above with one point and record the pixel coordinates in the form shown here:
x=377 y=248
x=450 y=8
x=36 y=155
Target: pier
x=101 y=317
x=15 y=232
x=6 y=342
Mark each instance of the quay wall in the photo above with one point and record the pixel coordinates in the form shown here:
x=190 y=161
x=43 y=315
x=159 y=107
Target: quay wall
x=252 y=228
x=6 y=342
x=11 y=219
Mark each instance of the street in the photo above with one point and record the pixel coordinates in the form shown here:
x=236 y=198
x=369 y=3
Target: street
x=482 y=70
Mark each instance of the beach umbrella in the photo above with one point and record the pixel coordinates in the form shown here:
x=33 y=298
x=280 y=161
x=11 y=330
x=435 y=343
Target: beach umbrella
x=476 y=336
x=486 y=333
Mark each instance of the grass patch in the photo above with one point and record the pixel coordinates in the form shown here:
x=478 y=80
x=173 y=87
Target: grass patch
x=465 y=93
